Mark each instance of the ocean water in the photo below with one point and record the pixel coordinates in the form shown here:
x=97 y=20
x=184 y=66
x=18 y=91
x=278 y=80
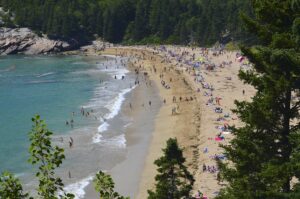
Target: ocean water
x=58 y=88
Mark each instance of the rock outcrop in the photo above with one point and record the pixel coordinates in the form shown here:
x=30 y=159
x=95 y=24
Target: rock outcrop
x=25 y=41
x=97 y=45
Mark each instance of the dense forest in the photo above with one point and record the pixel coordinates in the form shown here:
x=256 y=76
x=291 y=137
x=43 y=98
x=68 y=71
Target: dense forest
x=201 y=22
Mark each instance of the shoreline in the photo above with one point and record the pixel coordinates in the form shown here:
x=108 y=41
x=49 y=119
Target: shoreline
x=164 y=121
x=126 y=173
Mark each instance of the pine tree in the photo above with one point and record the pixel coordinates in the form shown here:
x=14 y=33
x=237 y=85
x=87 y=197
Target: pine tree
x=264 y=156
x=174 y=180
x=141 y=22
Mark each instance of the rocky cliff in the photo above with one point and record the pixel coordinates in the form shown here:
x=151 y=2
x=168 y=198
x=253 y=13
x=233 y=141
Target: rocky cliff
x=23 y=40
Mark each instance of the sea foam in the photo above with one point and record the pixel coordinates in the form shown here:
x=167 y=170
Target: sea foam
x=45 y=74
x=115 y=142
x=97 y=138
x=114 y=108
x=103 y=127
x=115 y=105
x=42 y=82
x=77 y=188
x=119 y=141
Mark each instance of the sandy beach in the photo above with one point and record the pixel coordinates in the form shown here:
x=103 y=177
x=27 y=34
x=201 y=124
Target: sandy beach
x=194 y=93
x=182 y=125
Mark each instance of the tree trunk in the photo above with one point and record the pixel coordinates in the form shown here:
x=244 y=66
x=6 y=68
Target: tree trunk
x=286 y=145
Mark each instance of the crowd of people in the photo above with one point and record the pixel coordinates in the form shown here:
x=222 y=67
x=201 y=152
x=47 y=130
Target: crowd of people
x=197 y=63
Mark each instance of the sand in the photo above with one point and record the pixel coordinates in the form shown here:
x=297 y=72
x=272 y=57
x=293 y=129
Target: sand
x=183 y=125
x=195 y=123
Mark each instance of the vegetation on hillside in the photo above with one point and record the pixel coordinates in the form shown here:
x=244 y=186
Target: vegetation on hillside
x=201 y=22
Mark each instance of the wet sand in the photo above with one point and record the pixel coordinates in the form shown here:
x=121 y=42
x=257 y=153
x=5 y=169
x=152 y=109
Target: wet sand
x=138 y=134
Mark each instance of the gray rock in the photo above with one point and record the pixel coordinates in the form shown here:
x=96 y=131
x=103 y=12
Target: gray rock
x=23 y=40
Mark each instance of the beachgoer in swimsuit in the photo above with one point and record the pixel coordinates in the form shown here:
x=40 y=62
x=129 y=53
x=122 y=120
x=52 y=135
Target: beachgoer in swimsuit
x=71 y=142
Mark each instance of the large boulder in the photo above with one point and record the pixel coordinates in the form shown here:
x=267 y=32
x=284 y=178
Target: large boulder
x=23 y=40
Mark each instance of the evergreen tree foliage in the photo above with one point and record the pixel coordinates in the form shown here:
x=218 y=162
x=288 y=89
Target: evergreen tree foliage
x=141 y=26
x=105 y=186
x=10 y=187
x=200 y=22
x=264 y=158
x=47 y=158
x=174 y=180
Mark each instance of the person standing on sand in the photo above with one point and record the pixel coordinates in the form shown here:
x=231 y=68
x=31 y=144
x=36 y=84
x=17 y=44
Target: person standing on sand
x=71 y=142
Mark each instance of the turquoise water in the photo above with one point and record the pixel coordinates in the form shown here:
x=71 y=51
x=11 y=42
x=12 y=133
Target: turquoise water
x=52 y=86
